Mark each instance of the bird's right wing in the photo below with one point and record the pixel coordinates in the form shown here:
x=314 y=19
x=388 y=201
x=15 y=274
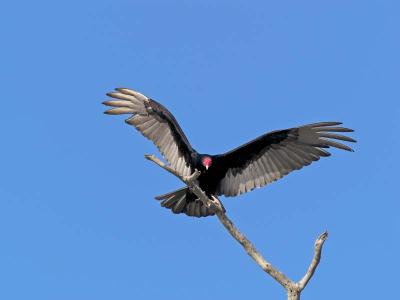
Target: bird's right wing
x=156 y=123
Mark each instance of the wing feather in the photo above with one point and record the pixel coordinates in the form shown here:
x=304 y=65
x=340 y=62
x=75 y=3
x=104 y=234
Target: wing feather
x=156 y=123
x=275 y=154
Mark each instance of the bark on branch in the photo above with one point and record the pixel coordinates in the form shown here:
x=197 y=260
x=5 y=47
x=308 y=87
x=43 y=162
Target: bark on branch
x=292 y=288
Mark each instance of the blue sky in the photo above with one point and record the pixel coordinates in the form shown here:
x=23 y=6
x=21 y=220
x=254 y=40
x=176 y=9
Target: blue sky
x=77 y=215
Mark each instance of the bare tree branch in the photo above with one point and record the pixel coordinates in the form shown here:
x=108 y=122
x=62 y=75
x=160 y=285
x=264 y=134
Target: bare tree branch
x=252 y=251
x=315 y=261
x=186 y=180
x=293 y=289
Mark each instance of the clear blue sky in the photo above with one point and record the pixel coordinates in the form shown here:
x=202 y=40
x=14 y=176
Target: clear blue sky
x=77 y=215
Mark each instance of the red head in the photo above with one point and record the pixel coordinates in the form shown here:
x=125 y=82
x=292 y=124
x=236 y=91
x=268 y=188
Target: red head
x=206 y=161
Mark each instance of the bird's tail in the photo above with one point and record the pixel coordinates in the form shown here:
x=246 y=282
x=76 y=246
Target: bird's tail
x=183 y=201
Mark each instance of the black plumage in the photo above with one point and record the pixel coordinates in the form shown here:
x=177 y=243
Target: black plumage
x=252 y=165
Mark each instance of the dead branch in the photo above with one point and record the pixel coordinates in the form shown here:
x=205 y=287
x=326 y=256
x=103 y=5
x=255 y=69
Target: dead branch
x=292 y=288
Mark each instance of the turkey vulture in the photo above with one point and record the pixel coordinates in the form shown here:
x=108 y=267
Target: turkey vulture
x=252 y=165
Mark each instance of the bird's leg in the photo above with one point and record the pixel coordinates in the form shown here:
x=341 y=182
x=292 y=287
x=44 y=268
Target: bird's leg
x=191 y=182
x=207 y=201
x=217 y=204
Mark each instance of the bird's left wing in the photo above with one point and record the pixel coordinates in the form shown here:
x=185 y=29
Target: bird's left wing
x=156 y=123
x=275 y=154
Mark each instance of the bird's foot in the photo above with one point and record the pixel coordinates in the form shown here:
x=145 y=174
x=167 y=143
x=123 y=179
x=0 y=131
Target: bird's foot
x=217 y=204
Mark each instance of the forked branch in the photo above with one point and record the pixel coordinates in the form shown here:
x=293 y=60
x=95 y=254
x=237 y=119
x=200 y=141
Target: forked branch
x=293 y=288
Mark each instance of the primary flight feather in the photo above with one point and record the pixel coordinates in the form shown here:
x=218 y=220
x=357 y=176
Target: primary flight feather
x=252 y=165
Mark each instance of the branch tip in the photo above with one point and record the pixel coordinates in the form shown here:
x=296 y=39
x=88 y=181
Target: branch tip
x=322 y=238
x=324 y=235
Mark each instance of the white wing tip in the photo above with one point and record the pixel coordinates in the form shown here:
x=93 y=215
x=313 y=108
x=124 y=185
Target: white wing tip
x=134 y=93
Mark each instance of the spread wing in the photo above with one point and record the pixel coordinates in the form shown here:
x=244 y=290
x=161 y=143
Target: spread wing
x=275 y=154
x=156 y=123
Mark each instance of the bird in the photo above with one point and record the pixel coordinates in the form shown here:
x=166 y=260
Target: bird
x=255 y=164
